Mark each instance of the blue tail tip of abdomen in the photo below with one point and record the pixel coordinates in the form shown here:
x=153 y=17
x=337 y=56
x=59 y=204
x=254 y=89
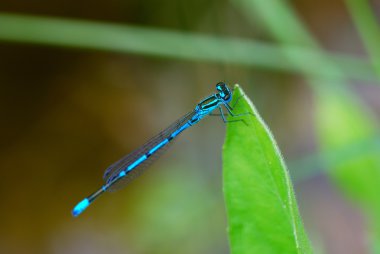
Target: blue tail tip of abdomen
x=80 y=207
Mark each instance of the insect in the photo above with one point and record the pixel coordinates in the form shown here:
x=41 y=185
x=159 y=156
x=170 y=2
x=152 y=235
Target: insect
x=123 y=171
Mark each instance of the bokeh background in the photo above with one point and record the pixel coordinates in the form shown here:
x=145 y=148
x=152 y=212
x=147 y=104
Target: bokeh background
x=84 y=82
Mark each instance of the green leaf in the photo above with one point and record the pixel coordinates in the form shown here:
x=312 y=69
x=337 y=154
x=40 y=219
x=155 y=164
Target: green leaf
x=263 y=216
x=341 y=120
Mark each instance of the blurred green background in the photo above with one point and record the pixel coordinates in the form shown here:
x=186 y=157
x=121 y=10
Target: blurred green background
x=83 y=83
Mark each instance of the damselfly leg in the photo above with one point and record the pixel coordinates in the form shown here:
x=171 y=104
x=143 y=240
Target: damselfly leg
x=229 y=110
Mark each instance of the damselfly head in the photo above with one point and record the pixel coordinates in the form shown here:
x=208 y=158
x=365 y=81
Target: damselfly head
x=224 y=91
